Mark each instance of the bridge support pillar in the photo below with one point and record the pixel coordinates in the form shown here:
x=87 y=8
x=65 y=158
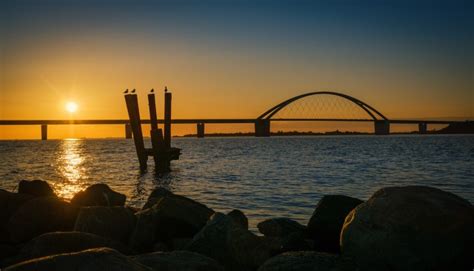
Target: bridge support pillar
x=382 y=127
x=44 y=132
x=422 y=127
x=128 y=131
x=262 y=127
x=200 y=130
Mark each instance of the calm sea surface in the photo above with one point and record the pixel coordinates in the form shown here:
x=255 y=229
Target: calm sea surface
x=264 y=177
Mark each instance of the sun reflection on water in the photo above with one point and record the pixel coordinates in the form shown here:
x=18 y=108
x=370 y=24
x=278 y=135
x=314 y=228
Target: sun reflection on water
x=70 y=165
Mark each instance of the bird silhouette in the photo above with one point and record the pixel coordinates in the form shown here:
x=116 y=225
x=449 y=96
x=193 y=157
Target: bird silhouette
x=166 y=89
x=126 y=91
x=133 y=91
x=152 y=90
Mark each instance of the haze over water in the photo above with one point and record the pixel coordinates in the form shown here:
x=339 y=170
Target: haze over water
x=264 y=177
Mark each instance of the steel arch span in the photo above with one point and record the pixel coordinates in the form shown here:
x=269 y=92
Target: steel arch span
x=372 y=112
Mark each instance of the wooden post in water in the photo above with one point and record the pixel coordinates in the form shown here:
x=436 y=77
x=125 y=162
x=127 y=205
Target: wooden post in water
x=157 y=142
x=135 y=122
x=167 y=132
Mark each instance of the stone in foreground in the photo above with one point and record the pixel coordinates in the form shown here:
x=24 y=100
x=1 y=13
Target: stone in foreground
x=410 y=228
x=325 y=225
x=178 y=261
x=64 y=242
x=96 y=259
x=9 y=204
x=115 y=223
x=239 y=218
x=98 y=195
x=307 y=261
x=36 y=188
x=41 y=215
x=173 y=216
x=232 y=246
x=280 y=227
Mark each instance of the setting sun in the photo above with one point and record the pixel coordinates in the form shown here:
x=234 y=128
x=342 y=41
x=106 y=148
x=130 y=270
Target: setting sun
x=71 y=107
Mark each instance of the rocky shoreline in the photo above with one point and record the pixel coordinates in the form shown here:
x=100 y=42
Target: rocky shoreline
x=397 y=228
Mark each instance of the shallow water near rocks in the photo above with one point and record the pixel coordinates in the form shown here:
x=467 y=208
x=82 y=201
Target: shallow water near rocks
x=263 y=177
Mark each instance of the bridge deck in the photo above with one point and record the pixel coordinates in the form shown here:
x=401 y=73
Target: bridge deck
x=210 y=121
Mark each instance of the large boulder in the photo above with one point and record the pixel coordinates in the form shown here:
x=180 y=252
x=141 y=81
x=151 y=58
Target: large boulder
x=411 y=228
x=64 y=242
x=239 y=218
x=325 y=225
x=98 y=195
x=110 y=222
x=173 y=216
x=279 y=227
x=9 y=203
x=231 y=245
x=95 y=259
x=41 y=215
x=307 y=261
x=178 y=261
x=155 y=196
x=36 y=188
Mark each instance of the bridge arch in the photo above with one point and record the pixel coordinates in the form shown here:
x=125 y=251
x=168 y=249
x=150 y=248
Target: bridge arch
x=372 y=112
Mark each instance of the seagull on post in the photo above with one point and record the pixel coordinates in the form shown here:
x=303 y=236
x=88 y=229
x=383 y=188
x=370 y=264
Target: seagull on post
x=152 y=90
x=166 y=89
x=133 y=91
x=126 y=91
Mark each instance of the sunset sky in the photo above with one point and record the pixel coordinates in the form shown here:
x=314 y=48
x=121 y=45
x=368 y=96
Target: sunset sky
x=231 y=59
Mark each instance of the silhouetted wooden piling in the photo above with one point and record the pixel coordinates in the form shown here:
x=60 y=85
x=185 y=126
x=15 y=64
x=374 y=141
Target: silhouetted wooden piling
x=152 y=108
x=135 y=122
x=200 y=130
x=128 y=131
x=167 y=130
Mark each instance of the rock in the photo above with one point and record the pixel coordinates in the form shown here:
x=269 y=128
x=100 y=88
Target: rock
x=307 y=261
x=278 y=227
x=325 y=224
x=295 y=242
x=232 y=246
x=41 y=215
x=9 y=203
x=64 y=242
x=6 y=251
x=98 y=195
x=160 y=246
x=410 y=228
x=109 y=222
x=178 y=261
x=172 y=217
x=239 y=218
x=180 y=243
x=95 y=259
x=155 y=196
x=36 y=188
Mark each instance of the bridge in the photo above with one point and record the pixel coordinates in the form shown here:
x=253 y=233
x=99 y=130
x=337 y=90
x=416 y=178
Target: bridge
x=325 y=106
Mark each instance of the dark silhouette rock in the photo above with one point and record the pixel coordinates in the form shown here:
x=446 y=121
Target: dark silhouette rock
x=95 y=259
x=410 y=228
x=9 y=203
x=41 y=215
x=110 y=222
x=178 y=261
x=180 y=243
x=239 y=218
x=307 y=261
x=278 y=227
x=64 y=242
x=295 y=241
x=36 y=188
x=173 y=216
x=7 y=251
x=155 y=196
x=98 y=195
x=232 y=246
x=325 y=225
